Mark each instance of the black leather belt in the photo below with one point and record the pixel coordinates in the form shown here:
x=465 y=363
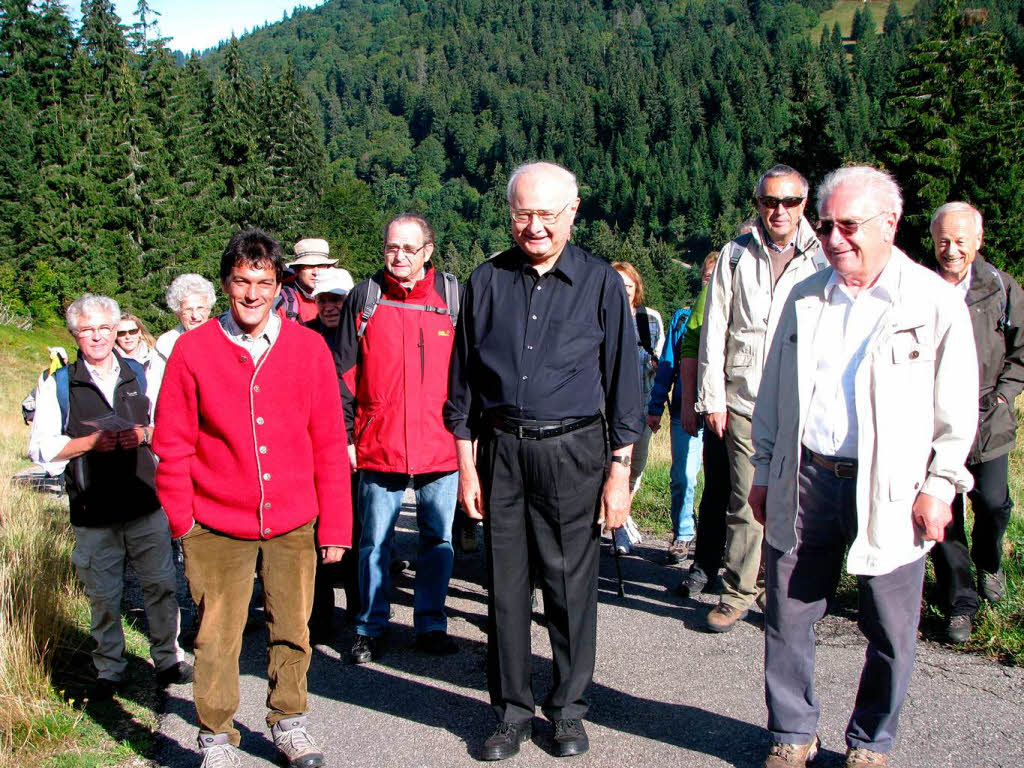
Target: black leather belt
x=845 y=469
x=527 y=429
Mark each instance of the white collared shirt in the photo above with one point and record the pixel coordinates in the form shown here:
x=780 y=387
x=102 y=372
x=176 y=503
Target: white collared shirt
x=256 y=346
x=964 y=285
x=846 y=326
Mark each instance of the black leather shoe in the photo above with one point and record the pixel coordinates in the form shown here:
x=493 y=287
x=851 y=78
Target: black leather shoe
x=103 y=690
x=505 y=740
x=958 y=628
x=693 y=583
x=366 y=649
x=570 y=738
x=436 y=643
x=176 y=674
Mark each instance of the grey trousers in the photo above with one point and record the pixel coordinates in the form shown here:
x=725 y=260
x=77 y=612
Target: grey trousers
x=743 y=534
x=98 y=557
x=798 y=585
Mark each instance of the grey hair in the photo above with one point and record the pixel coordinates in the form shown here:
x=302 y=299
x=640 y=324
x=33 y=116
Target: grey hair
x=415 y=218
x=778 y=171
x=567 y=176
x=186 y=285
x=884 y=187
x=958 y=207
x=91 y=303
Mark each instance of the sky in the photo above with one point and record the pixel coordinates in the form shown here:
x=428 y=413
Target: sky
x=203 y=23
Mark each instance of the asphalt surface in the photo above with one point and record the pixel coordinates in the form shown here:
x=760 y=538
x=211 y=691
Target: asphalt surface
x=665 y=692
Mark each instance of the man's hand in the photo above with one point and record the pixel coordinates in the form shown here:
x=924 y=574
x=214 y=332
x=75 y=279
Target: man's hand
x=331 y=554
x=130 y=438
x=688 y=420
x=351 y=457
x=471 y=496
x=717 y=422
x=756 y=499
x=615 y=497
x=654 y=422
x=104 y=441
x=931 y=516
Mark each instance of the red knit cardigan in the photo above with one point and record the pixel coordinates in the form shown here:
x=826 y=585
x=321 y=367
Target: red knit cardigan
x=253 y=452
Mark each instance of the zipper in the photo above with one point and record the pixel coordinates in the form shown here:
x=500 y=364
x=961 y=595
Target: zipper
x=423 y=361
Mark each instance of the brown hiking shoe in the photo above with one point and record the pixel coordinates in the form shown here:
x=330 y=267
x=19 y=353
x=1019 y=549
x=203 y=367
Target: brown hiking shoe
x=723 y=617
x=864 y=758
x=677 y=552
x=786 y=755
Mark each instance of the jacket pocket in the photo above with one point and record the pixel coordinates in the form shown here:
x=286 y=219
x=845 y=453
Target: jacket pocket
x=908 y=349
x=997 y=425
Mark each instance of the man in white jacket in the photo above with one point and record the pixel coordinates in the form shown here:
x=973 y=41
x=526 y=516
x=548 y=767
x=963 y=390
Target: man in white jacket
x=865 y=415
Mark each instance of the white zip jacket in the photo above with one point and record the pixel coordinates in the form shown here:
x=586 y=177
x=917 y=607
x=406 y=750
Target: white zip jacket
x=740 y=317
x=917 y=409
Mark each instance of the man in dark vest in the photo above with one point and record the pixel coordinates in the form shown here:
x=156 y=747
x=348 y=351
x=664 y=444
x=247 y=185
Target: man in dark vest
x=92 y=421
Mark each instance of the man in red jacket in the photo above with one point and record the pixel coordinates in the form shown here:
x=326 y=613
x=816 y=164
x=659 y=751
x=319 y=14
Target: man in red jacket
x=253 y=462
x=394 y=350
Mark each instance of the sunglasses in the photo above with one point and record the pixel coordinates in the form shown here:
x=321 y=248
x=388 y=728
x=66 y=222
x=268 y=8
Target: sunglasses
x=129 y=332
x=771 y=203
x=846 y=227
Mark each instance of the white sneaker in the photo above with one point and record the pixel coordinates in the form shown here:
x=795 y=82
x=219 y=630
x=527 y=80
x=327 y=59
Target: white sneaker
x=294 y=743
x=218 y=752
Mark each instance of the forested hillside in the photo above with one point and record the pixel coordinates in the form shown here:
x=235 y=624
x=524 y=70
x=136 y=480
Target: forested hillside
x=121 y=169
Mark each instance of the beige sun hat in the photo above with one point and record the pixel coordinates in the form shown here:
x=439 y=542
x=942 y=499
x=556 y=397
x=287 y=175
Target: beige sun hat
x=334 y=280
x=312 y=252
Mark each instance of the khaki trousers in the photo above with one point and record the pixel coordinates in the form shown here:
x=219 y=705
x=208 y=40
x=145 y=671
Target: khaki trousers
x=743 y=534
x=219 y=570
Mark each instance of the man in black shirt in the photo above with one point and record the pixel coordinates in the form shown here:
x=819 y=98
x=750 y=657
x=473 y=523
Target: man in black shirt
x=544 y=375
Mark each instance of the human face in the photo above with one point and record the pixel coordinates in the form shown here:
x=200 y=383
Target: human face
x=328 y=306
x=859 y=257
x=128 y=336
x=405 y=252
x=781 y=221
x=709 y=270
x=542 y=190
x=96 y=332
x=195 y=310
x=957 y=240
x=630 y=286
x=307 y=274
x=251 y=293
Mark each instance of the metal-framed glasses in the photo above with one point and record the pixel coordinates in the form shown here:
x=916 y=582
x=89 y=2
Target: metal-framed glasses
x=393 y=249
x=846 y=227
x=524 y=216
x=771 y=203
x=103 y=330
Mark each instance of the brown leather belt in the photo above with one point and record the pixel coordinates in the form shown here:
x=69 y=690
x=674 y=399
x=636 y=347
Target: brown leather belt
x=540 y=430
x=845 y=469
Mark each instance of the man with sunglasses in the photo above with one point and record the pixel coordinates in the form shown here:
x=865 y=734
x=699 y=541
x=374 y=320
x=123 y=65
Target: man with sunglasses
x=393 y=353
x=752 y=279
x=867 y=408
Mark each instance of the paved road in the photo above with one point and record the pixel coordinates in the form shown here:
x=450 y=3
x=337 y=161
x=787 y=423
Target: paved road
x=664 y=692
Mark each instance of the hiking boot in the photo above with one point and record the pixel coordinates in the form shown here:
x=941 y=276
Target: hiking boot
x=366 y=649
x=958 y=629
x=570 y=738
x=295 y=744
x=176 y=674
x=786 y=755
x=505 y=740
x=103 y=690
x=864 y=758
x=723 y=617
x=218 y=752
x=436 y=643
x=467 y=538
x=677 y=551
x=991 y=586
x=693 y=583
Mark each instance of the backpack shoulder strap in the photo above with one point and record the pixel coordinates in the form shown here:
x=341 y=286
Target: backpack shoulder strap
x=1004 y=319
x=742 y=244
x=60 y=377
x=138 y=370
x=370 y=302
x=451 y=296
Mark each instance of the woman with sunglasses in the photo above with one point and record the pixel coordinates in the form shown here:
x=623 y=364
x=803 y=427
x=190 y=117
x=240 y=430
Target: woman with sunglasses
x=134 y=341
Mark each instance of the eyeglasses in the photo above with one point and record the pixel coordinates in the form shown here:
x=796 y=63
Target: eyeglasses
x=392 y=249
x=846 y=227
x=103 y=330
x=546 y=217
x=129 y=332
x=771 y=203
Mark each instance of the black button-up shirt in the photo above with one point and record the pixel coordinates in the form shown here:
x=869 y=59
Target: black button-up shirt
x=553 y=346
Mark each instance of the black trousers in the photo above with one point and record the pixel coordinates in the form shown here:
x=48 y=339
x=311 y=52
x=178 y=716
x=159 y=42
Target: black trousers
x=346 y=572
x=541 y=500
x=992 y=505
x=714 y=503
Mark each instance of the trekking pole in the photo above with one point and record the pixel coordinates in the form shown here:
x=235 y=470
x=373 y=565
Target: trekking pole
x=618 y=569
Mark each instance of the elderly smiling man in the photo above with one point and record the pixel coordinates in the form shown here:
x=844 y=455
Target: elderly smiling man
x=867 y=408
x=544 y=352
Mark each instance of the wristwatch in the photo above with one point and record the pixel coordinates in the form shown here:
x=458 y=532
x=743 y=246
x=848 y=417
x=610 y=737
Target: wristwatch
x=623 y=460
x=145 y=436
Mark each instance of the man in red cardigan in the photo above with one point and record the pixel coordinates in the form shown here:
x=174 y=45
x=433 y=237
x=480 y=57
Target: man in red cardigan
x=254 y=460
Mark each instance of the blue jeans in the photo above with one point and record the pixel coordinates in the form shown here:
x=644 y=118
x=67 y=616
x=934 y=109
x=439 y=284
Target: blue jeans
x=686 y=455
x=380 y=499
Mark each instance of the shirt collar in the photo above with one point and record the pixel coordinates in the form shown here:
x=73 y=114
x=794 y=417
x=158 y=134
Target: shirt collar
x=884 y=288
x=566 y=266
x=270 y=330
x=770 y=244
x=98 y=374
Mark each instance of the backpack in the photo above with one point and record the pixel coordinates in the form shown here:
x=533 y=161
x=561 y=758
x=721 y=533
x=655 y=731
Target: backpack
x=64 y=387
x=291 y=303
x=450 y=291
x=682 y=318
x=744 y=244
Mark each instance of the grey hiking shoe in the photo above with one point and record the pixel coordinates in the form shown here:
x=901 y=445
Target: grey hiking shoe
x=991 y=586
x=295 y=744
x=218 y=752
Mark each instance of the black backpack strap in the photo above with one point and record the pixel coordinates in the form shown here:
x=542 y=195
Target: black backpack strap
x=451 y=296
x=370 y=302
x=1004 y=319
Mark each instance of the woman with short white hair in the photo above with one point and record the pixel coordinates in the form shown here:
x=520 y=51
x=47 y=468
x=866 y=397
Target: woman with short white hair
x=191 y=298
